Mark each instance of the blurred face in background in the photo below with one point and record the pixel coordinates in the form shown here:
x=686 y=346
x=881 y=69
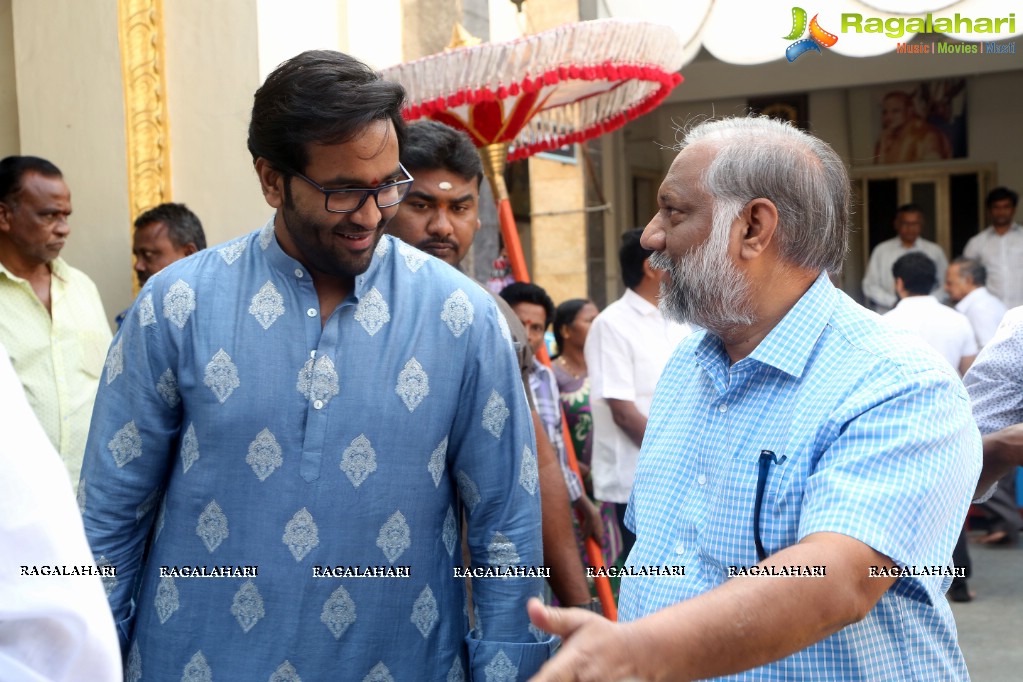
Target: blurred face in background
x=575 y=333
x=908 y=226
x=956 y=285
x=534 y=318
x=154 y=250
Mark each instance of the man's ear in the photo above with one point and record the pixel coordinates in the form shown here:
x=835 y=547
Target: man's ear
x=271 y=181
x=190 y=248
x=6 y=216
x=759 y=221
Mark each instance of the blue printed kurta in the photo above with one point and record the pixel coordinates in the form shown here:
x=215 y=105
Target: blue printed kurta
x=243 y=434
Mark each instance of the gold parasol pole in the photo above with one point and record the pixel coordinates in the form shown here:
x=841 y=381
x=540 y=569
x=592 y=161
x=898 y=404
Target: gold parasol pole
x=494 y=158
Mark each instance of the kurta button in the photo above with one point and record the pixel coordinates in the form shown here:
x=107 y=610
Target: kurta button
x=311 y=312
x=318 y=405
x=312 y=353
x=299 y=273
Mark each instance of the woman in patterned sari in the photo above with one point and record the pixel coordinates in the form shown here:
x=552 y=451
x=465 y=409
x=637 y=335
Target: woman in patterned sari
x=571 y=324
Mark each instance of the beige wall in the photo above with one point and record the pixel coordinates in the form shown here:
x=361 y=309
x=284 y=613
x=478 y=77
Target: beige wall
x=10 y=142
x=995 y=130
x=212 y=72
x=71 y=111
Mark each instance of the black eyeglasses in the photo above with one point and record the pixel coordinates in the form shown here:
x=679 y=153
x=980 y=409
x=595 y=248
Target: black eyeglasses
x=351 y=200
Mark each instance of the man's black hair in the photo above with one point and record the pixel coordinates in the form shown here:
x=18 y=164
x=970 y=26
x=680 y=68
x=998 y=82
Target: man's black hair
x=908 y=208
x=524 y=292
x=14 y=168
x=183 y=226
x=631 y=257
x=1001 y=194
x=430 y=145
x=917 y=272
x=319 y=97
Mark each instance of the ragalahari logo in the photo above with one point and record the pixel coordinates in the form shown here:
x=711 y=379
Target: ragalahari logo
x=818 y=36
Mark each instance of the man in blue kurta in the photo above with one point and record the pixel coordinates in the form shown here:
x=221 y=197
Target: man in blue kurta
x=305 y=413
x=809 y=466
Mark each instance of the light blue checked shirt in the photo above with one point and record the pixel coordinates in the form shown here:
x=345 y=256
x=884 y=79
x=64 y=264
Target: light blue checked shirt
x=878 y=444
x=244 y=433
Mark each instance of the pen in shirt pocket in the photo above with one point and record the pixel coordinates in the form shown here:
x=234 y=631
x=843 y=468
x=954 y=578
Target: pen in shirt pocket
x=767 y=458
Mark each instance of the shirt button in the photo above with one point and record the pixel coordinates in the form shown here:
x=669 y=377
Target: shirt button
x=680 y=549
x=312 y=353
x=311 y=312
x=318 y=405
x=722 y=408
x=299 y=273
x=701 y=479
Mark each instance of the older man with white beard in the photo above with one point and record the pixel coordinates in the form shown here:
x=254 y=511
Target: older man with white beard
x=808 y=466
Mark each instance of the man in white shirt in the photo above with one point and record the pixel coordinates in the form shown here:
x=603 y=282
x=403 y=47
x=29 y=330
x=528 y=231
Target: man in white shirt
x=964 y=282
x=944 y=329
x=951 y=334
x=999 y=247
x=55 y=623
x=878 y=283
x=627 y=347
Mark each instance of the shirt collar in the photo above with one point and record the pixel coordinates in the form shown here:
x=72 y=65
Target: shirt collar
x=1015 y=227
x=788 y=346
x=58 y=268
x=917 y=301
x=966 y=301
x=287 y=265
x=638 y=303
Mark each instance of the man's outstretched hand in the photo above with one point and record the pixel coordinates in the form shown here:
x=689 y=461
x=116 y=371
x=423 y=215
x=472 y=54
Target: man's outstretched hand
x=594 y=648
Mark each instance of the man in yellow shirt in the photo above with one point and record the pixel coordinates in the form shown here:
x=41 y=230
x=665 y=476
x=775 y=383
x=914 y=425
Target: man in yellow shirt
x=53 y=324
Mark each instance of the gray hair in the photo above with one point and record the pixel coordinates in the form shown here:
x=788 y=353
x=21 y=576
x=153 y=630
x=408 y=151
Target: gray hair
x=972 y=269
x=761 y=157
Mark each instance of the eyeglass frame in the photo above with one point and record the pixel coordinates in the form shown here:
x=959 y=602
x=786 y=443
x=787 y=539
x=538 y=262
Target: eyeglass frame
x=366 y=192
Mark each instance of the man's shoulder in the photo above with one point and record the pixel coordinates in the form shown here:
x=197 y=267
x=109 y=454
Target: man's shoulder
x=878 y=343
x=434 y=282
x=212 y=264
x=981 y=236
x=616 y=315
x=928 y=245
x=1011 y=326
x=887 y=244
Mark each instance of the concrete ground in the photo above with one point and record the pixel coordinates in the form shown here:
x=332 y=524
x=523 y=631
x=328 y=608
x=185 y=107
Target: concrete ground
x=991 y=626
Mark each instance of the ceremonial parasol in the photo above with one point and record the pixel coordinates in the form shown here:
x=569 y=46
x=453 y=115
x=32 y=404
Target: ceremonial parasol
x=542 y=92
x=539 y=93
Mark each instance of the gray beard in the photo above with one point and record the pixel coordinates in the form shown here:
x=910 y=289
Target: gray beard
x=704 y=286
